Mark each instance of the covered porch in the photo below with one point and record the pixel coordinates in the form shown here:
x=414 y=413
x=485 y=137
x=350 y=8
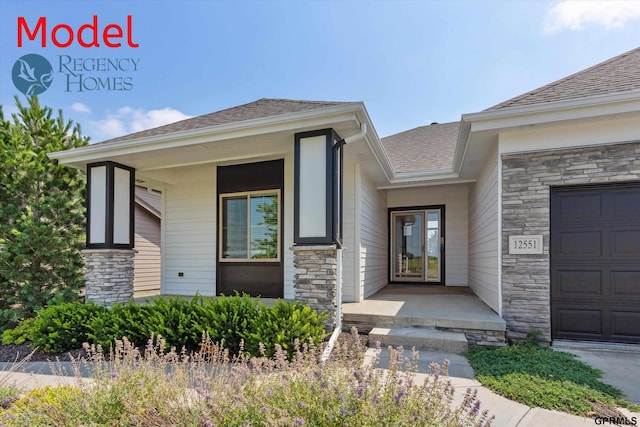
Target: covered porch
x=427 y=316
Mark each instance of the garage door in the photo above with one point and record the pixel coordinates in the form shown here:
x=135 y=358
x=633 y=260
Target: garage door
x=595 y=263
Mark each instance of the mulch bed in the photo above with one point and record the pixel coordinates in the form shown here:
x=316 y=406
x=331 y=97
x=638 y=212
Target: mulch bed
x=15 y=353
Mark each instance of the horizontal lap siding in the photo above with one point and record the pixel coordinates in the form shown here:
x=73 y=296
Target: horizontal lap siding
x=189 y=232
x=373 y=237
x=350 y=288
x=289 y=270
x=147 y=258
x=483 y=234
x=454 y=197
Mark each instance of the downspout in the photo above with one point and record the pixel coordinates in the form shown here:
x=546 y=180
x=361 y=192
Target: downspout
x=338 y=313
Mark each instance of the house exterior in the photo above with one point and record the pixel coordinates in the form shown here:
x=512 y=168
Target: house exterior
x=147 y=260
x=534 y=204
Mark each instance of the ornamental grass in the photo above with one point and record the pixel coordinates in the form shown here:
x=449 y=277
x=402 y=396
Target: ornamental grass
x=155 y=387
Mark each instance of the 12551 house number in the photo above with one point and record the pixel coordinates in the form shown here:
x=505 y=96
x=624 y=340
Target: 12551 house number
x=525 y=244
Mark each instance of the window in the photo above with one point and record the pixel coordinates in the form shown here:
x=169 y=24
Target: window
x=250 y=226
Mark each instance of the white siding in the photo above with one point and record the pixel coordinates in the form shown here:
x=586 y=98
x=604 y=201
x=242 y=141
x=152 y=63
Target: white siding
x=350 y=280
x=189 y=227
x=371 y=212
x=288 y=225
x=454 y=198
x=483 y=234
x=189 y=232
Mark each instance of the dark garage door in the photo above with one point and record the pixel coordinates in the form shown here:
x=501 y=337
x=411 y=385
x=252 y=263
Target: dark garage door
x=595 y=263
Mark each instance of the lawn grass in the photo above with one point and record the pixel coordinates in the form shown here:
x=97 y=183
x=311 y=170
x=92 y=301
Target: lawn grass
x=541 y=377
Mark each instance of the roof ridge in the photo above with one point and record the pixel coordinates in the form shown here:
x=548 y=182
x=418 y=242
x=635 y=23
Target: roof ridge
x=421 y=127
x=570 y=77
x=305 y=101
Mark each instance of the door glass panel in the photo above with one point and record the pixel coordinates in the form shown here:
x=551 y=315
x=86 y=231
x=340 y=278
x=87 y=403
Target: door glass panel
x=264 y=227
x=408 y=246
x=433 y=246
x=234 y=227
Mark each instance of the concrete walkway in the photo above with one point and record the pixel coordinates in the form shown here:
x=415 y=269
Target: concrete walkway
x=619 y=363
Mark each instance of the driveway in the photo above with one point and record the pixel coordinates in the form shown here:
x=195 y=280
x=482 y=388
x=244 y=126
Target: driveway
x=620 y=363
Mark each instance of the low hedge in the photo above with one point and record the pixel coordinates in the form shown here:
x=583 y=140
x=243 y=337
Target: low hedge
x=181 y=322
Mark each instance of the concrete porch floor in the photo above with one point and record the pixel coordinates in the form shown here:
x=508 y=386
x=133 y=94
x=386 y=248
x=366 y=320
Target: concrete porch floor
x=447 y=307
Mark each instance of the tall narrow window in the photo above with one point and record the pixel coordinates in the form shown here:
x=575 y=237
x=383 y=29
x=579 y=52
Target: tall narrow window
x=250 y=226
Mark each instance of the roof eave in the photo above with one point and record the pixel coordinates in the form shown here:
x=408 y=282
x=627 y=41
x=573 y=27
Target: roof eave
x=147 y=207
x=590 y=106
x=195 y=136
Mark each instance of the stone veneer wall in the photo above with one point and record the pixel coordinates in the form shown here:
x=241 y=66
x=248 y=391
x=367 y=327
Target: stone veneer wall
x=526 y=182
x=108 y=275
x=316 y=278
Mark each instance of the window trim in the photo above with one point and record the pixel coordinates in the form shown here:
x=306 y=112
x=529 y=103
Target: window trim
x=248 y=195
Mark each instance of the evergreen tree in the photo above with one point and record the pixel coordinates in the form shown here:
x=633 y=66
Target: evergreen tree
x=268 y=245
x=41 y=213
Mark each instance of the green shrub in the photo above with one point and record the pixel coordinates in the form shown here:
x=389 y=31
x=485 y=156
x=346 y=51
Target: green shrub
x=283 y=324
x=226 y=319
x=22 y=333
x=182 y=324
x=173 y=319
x=121 y=320
x=63 y=327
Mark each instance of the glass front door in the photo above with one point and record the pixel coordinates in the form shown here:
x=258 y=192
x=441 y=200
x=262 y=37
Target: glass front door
x=417 y=245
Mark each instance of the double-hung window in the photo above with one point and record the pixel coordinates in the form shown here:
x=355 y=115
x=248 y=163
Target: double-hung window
x=250 y=226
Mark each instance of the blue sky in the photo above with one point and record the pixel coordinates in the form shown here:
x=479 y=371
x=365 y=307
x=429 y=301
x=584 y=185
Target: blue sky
x=412 y=63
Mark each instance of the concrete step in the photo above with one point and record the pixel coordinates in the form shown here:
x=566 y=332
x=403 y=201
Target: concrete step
x=458 y=320
x=420 y=338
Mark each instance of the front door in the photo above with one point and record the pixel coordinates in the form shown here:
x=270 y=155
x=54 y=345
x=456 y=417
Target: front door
x=417 y=245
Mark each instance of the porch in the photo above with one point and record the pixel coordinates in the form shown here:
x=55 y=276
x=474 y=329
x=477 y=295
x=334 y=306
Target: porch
x=429 y=317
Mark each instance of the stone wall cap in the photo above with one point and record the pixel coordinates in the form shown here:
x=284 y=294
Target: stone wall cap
x=313 y=247
x=109 y=251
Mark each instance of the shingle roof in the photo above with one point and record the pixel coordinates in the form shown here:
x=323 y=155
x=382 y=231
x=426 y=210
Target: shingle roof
x=618 y=74
x=265 y=107
x=423 y=148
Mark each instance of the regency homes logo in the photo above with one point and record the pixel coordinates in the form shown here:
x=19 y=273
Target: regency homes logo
x=33 y=74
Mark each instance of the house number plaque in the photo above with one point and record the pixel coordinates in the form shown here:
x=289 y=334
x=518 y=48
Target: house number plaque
x=525 y=244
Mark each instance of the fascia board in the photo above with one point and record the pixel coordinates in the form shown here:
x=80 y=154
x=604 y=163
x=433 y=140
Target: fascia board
x=244 y=128
x=461 y=145
x=592 y=106
x=146 y=206
x=375 y=145
x=431 y=183
x=403 y=177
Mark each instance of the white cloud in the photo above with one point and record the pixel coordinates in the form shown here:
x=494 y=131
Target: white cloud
x=573 y=14
x=79 y=107
x=128 y=120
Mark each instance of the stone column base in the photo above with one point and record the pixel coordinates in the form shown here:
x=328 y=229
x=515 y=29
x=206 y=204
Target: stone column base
x=316 y=278
x=108 y=275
